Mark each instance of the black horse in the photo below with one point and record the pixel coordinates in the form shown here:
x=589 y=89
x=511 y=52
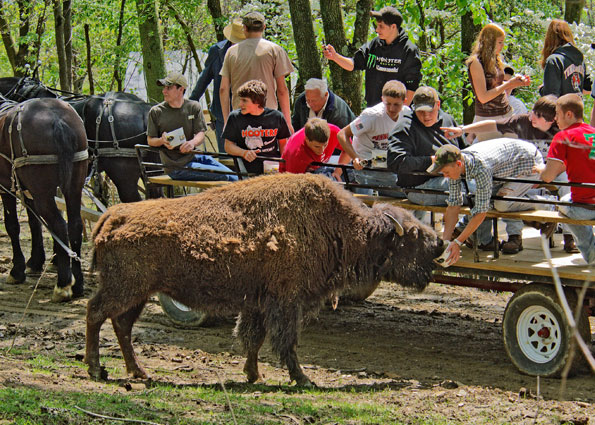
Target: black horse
x=114 y=123
x=43 y=146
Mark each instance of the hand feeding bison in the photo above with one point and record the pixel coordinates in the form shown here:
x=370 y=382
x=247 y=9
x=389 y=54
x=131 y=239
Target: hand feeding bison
x=273 y=248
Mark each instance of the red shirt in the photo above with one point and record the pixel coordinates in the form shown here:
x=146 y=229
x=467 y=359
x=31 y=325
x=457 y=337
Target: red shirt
x=298 y=156
x=574 y=146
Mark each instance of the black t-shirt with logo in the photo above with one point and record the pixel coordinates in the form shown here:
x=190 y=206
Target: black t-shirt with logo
x=253 y=132
x=383 y=62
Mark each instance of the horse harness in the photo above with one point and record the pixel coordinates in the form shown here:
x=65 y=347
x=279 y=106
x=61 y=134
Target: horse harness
x=26 y=159
x=115 y=150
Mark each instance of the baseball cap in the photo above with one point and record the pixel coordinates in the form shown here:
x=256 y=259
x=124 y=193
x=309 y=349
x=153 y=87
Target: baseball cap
x=173 y=78
x=253 y=19
x=445 y=155
x=389 y=15
x=234 y=32
x=424 y=99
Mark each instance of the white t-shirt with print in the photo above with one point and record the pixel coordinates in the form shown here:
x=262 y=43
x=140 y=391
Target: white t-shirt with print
x=370 y=134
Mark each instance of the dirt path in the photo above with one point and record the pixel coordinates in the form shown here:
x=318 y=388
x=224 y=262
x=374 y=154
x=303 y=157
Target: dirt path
x=425 y=343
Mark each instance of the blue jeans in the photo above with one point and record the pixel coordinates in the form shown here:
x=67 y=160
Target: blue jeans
x=377 y=178
x=219 y=133
x=585 y=240
x=206 y=163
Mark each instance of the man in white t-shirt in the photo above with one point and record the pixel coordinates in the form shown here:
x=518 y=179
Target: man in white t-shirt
x=370 y=133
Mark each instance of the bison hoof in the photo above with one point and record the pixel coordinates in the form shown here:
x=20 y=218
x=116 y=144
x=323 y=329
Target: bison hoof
x=303 y=381
x=98 y=373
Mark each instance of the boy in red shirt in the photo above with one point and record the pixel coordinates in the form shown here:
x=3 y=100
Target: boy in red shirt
x=315 y=142
x=573 y=151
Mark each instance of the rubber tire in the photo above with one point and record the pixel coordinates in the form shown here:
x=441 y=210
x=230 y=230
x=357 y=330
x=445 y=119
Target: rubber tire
x=360 y=293
x=544 y=296
x=186 y=318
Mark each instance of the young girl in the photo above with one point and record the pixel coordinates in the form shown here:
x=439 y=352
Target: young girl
x=563 y=66
x=486 y=72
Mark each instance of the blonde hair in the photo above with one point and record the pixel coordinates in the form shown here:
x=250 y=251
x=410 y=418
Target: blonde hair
x=484 y=46
x=558 y=34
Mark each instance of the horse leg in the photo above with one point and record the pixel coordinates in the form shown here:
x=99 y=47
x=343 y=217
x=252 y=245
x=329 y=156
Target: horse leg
x=283 y=323
x=96 y=316
x=127 y=188
x=37 y=259
x=11 y=222
x=123 y=328
x=75 y=234
x=46 y=207
x=251 y=332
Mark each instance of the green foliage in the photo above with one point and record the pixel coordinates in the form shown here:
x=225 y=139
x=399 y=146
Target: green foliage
x=434 y=25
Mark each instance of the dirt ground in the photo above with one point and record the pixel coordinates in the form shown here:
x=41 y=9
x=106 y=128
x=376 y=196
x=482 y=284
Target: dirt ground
x=440 y=350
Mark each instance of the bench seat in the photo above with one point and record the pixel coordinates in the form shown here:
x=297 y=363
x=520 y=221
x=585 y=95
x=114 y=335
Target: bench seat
x=530 y=215
x=166 y=180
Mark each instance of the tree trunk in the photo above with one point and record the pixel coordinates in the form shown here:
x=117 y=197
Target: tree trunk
x=468 y=33
x=573 y=10
x=118 y=77
x=60 y=46
x=89 y=64
x=218 y=18
x=24 y=51
x=67 y=15
x=152 y=49
x=346 y=84
x=308 y=51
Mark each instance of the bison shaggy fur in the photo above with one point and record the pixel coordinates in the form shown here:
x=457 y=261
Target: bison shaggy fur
x=272 y=248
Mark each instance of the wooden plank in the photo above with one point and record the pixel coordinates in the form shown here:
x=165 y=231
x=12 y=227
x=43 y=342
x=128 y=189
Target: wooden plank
x=168 y=181
x=86 y=213
x=531 y=215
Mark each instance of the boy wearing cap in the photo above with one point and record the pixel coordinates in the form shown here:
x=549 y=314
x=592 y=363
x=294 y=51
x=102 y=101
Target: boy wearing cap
x=370 y=138
x=234 y=34
x=256 y=59
x=482 y=162
x=175 y=113
x=390 y=56
x=417 y=136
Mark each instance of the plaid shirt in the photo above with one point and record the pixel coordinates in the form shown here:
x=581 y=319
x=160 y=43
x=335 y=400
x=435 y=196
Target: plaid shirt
x=493 y=158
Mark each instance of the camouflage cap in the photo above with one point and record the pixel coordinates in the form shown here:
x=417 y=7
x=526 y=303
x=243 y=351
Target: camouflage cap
x=445 y=155
x=424 y=99
x=173 y=78
x=254 y=20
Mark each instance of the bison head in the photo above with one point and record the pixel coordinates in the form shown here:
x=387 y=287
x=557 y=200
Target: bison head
x=409 y=248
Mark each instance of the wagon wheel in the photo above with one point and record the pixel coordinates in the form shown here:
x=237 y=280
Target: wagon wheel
x=360 y=293
x=537 y=336
x=181 y=314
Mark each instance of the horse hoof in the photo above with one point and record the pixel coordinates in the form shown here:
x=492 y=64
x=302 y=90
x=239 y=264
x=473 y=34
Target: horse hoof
x=32 y=273
x=11 y=280
x=62 y=294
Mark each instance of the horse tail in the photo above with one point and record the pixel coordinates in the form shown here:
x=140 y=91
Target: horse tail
x=65 y=140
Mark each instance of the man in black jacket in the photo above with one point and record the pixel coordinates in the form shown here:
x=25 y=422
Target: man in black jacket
x=318 y=101
x=414 y=140
x=390 y=56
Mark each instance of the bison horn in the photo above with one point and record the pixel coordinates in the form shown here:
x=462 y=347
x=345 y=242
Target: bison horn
x=398 y=227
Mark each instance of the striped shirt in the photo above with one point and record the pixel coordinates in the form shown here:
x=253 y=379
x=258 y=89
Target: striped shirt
x=493 y=158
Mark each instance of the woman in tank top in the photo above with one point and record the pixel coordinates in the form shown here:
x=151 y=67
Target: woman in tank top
x=486 y=72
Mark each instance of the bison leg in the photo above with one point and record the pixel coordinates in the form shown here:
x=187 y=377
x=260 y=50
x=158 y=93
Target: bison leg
x=283 y=324
x=251 y=332
x=123 y=328
x=95 y=318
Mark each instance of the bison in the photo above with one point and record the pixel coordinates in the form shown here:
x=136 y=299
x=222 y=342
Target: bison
x=272 y=248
